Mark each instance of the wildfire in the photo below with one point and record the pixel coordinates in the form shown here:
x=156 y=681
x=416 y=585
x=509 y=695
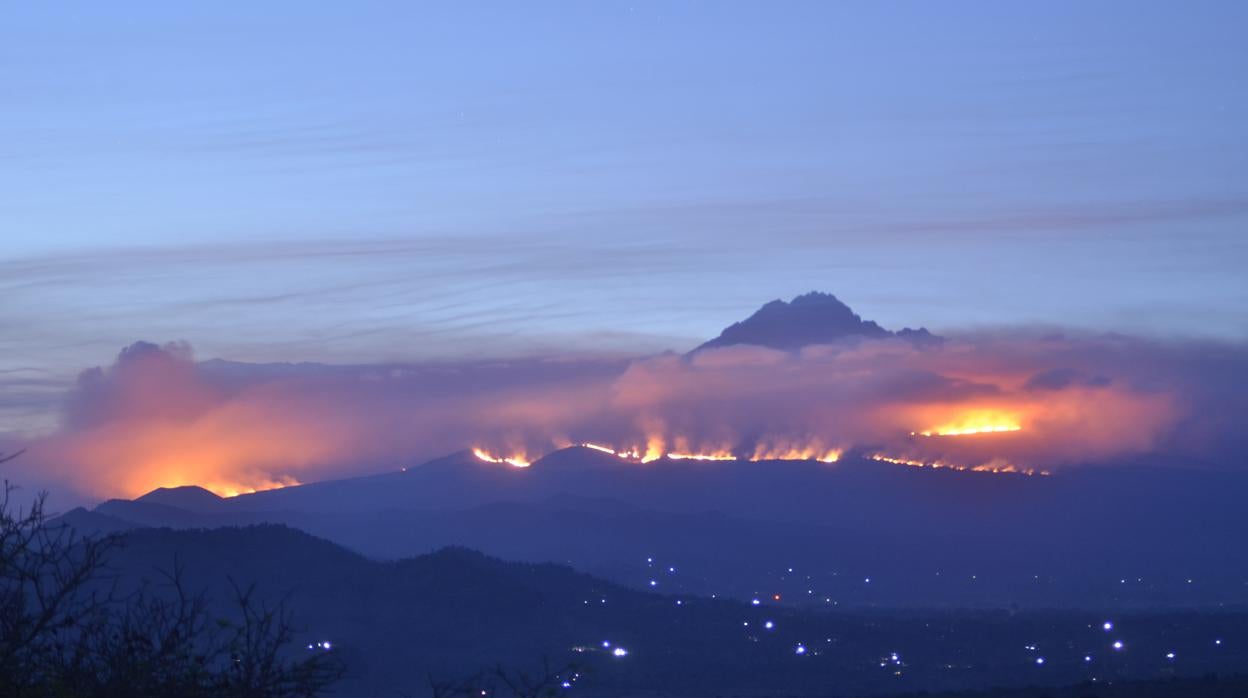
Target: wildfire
x=976 y=422
x=603 y=449
x=991 y=467
x=514 y=461
x=808 y=452
x=701 y=456
x=234 y=489
x=656 y=449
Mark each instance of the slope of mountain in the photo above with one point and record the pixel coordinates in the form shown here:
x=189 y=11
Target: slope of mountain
x=813 y=318
x=977 y=538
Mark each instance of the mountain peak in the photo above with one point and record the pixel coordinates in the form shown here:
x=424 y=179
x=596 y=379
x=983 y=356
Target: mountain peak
x=187 y=497
x=811 y=318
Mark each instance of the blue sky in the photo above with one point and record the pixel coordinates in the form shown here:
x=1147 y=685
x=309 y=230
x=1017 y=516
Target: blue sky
x=380 y=180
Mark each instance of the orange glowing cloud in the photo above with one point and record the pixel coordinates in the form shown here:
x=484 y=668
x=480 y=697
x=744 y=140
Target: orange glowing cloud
x=156 y=418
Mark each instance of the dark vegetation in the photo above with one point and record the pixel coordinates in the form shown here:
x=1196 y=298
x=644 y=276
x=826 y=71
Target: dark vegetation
x=443 y=622
x=69 y=627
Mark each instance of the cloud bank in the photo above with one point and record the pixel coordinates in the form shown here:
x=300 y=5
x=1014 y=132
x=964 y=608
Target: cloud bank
x=155 y=417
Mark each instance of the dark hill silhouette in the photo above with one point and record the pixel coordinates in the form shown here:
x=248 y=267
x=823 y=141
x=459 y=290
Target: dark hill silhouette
x=809 y=319
x=454 y=611
x=189 y=497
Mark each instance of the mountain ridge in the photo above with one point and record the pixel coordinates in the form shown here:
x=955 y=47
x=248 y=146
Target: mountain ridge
x=809 y=319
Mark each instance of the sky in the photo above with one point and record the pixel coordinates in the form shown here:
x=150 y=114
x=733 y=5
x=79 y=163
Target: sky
x=387 y=181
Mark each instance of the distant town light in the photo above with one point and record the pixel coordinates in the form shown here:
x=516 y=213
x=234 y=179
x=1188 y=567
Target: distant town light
x=619 y=652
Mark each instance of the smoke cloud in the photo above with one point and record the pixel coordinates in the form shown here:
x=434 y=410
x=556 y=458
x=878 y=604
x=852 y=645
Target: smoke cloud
x=155 y=417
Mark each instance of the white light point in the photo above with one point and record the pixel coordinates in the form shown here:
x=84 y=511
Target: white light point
x=619 y=652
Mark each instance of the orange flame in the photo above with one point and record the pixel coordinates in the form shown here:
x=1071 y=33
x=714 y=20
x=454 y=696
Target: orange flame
x=975 y=422
x=721 y=455
x=597 y=447
x=991 y=467
x=809 y=451
x=224 y=489
x=517 y=461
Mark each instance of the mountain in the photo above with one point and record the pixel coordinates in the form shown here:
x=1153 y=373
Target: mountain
x=454 y=612
x=813 y=318
x=730 y=526
x=188 y=497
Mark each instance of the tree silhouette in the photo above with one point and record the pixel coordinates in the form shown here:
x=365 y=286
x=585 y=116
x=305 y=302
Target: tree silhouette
x=65 y=631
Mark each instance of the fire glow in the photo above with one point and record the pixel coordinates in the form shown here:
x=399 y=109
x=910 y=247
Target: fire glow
x=155 y=418
x=975 y=422
x=761 y=453
x=992 y=467
x=518 y=461
x=701 y=456
x=654 y=451
x=808 y=452
x=992 y=429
